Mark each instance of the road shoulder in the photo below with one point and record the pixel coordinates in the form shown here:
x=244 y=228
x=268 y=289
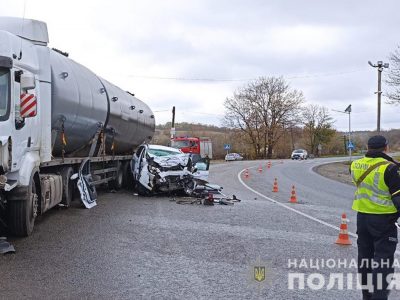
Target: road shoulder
x=338 y=171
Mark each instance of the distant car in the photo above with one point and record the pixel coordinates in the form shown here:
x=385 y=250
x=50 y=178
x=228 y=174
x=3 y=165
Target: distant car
x=233 y=156
x=299 y=154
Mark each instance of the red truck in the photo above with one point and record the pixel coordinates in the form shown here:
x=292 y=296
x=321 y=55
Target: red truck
x=195 y=145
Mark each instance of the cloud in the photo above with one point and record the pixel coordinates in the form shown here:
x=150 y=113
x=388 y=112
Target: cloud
x=321 y=47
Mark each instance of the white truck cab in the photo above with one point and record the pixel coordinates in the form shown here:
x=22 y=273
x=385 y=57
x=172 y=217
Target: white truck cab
x=56 y=119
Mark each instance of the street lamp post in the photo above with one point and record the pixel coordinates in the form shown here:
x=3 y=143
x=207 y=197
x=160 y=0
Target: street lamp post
x=348 y=111
x=379 y=65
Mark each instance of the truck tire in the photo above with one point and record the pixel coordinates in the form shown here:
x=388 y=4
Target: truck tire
x=23 y=208
x=3 y=214
x=117 y=182
x=68 y=186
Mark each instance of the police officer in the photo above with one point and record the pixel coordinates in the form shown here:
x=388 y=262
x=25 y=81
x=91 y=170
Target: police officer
x=377 y=201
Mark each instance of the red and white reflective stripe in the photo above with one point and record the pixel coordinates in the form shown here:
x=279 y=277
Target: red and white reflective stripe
x=28 y=105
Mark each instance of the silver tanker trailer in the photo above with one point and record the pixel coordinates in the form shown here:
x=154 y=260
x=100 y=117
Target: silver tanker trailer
x=58 y=122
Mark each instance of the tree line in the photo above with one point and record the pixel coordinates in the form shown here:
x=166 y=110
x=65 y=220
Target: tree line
x=266 y=109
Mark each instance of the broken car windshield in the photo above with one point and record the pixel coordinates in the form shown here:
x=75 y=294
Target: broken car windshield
x=162 y=152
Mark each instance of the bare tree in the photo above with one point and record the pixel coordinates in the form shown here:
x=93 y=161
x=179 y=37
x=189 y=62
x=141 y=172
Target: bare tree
x=317 y=126
x=240 y=115
x=393 y=77
x=262 y=108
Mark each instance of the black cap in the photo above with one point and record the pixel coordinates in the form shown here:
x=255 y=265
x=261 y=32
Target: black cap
x=377 y=141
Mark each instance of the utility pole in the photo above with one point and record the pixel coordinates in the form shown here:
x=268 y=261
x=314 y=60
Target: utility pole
x=173 y=123
x=380 y=66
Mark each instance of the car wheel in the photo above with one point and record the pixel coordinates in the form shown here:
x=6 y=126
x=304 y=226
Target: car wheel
x=142 y=191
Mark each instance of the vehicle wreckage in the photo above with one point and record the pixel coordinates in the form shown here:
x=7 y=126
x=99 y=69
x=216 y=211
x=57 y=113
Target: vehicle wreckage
x=160 y=169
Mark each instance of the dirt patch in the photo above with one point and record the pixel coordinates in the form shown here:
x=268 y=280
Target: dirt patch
x=338 y=171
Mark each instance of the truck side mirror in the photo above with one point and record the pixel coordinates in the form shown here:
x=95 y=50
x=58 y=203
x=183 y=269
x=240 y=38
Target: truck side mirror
x=27 y=81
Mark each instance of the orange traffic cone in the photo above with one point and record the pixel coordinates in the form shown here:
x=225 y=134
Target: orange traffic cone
x=269 y=165
x=293 y=198
x=246 y=174
x=275 y=187
x=260 y=169
x=343 y=238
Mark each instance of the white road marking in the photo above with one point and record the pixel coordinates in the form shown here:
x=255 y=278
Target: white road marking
x=288 y=207
x=291 y=208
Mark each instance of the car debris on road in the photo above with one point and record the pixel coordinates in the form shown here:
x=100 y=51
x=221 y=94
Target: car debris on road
x=207 y=194
x=6 y=247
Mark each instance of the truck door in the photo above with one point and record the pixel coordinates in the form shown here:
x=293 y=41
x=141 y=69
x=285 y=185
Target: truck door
x=26 y=130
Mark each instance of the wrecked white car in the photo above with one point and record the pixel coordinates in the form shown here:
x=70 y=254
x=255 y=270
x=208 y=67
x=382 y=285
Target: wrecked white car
x=161 y=169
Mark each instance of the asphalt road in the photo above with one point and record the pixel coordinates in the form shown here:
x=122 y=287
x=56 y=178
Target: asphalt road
x=129 y=247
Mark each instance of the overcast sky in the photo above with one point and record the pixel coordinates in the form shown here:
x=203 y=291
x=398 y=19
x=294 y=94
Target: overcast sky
x=195 y=53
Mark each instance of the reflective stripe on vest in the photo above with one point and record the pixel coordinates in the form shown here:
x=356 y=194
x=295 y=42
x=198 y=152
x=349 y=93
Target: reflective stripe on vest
x=372 y=194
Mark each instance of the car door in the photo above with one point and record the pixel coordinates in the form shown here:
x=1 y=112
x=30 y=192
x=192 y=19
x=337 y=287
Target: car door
x=136 y=162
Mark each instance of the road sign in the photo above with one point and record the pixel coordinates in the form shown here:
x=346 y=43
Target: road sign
x=350 y=146
x=227 y=146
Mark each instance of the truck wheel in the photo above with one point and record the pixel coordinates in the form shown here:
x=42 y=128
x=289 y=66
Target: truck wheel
x=117 y=182
x=68 y=186
x=3 y=214
x=23 y=208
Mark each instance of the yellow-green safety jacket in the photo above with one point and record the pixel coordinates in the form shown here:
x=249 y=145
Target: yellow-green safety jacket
x=372 y=195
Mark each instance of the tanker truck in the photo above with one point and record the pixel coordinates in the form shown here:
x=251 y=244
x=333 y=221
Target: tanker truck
x=58 y=121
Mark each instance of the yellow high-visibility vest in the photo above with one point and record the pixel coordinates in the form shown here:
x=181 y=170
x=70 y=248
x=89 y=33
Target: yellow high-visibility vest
x=372 y=195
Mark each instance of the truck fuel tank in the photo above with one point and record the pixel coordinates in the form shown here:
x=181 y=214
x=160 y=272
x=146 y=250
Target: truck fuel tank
x=82 y=102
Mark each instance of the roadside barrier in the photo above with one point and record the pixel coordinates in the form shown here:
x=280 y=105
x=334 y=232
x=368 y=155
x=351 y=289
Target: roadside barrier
x=275 y=187
x=343 y=238
x=293 y=198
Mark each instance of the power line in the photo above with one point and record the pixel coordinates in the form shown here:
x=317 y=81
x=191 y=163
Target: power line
x=202 y=113
x=188 y=79
x=189 y=112
x=243 y=79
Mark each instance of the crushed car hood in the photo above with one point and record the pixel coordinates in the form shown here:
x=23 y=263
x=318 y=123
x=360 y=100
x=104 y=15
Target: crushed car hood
x=170 y=161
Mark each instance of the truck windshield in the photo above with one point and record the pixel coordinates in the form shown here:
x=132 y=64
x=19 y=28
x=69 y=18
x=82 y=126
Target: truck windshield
x=4 y=93
x=179 y=144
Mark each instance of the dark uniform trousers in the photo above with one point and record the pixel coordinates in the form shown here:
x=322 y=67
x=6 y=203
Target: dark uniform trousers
x=377 y=241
